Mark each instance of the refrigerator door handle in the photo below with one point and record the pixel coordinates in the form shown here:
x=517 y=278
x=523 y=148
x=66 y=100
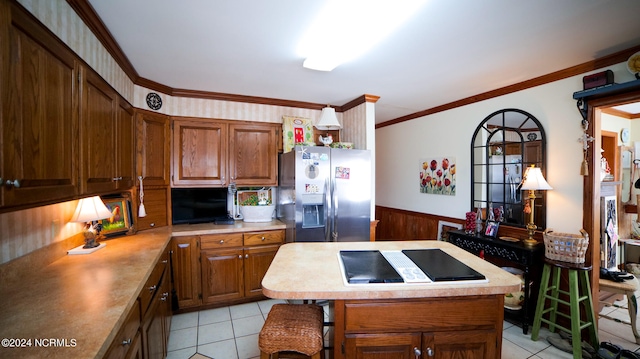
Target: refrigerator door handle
x=327 y=211
x=334 y=229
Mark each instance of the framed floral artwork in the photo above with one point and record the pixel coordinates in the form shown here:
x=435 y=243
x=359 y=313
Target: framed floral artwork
x=296 y=131
x=438 y=176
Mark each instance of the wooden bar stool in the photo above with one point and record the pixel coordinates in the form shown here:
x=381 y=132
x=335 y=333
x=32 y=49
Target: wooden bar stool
x=292 y=328
x=628 y=288
x=579 y=292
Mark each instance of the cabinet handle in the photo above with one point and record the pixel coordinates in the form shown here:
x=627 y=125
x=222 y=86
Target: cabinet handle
x=164 y=261
x=117 y=179
x=246 y=256
x=429 y=352
x=223 y=181
x=164 y=296
x=152 y=224
x=417 y=352
x=152 y=288
x=15 y=183
x=239 y=256
x=263 y=238
x=222 y=241
x=126 y=342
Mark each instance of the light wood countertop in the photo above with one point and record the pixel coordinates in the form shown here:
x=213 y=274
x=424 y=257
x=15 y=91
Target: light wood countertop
x=313 y=271
x=87 y=297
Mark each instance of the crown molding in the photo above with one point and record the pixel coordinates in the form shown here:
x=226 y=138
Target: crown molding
x=599 y=63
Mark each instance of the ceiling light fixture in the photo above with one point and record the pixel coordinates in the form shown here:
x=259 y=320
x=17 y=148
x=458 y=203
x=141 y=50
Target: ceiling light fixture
x=328 y=120
x=346 y=29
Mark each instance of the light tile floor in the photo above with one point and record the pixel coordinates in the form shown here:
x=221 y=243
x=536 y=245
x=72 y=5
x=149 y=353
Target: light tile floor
x=232 y=333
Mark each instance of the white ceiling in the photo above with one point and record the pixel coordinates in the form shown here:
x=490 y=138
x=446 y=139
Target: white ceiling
x=450 y=50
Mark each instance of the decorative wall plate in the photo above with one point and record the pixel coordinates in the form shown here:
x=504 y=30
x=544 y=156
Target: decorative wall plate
x=154 y=101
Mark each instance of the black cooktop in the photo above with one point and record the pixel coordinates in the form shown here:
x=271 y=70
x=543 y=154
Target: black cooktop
x=370 y=266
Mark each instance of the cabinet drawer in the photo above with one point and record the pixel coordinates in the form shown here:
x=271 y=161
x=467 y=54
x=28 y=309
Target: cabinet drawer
x=215 y=241
x=125 y=337
x=151 y=286
x=423 y=314
x=268 y=237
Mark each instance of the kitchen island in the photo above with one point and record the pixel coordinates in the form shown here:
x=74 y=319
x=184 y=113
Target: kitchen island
x=439 y=319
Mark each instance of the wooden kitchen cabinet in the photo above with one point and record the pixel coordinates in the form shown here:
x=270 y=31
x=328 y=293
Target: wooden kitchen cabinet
x=199 y=153
x=106 y=128
x=128 y=341
x=253 y=154
x=218 y=152
x=457 y=327
x=39 y=119
x=186 y=270
x=153 y=147
x=230 y=268
x=155 y=306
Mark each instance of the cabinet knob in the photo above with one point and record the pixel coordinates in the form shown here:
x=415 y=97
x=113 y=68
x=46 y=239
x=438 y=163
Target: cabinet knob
x=429 y=352
x=15 y=183
x=246 y=256
x=117 y=179
x=152 y=288
x=222 y=241
x=164 y=261
x=263 y=238
x=152 y=224
x=417 y=352
x=126 y=342
x=239 y=256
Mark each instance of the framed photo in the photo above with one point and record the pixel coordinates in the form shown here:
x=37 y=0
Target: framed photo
x=492 y=229
x=120 y=222
x=444 y=227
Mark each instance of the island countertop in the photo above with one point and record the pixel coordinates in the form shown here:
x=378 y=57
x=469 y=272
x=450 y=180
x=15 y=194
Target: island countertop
x=313 y=271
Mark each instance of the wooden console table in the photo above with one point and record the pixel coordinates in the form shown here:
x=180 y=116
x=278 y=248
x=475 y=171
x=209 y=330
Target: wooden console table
x=514 y=254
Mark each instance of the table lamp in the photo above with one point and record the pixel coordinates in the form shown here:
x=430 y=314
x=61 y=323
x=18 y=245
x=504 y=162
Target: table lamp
x=532 y=181
x=91 y=209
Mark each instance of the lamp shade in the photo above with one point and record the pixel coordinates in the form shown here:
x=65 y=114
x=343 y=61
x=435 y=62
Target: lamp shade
x=90 y=209
x=534 y=180
x=328 y=120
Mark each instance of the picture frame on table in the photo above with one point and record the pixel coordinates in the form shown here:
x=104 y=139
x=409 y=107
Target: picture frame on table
x=491 y=229
x=121 y=221
x=444 y=227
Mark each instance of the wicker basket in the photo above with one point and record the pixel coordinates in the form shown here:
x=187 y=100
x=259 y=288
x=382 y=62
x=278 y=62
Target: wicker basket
x=566 y=247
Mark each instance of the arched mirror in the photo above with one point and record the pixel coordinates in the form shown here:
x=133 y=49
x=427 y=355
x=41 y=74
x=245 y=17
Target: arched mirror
x=505 y=143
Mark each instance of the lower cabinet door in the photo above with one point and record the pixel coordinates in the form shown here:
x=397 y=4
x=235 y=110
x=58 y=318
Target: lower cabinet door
x=222 y=275
x=256 y=262
x=463 y=344
x=383 y=346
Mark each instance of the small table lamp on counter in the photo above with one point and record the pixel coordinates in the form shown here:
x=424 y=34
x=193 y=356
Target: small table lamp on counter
x=532 y=181
x=90 y=210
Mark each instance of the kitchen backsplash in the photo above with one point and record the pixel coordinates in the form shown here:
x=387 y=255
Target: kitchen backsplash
x=22 y=232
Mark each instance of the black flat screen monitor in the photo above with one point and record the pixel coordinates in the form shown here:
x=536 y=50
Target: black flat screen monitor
x=198 y=205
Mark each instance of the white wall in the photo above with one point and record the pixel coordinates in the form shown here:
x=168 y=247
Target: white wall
x=399 y=148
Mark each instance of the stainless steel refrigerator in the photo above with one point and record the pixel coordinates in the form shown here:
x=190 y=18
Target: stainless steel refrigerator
x=324 y=194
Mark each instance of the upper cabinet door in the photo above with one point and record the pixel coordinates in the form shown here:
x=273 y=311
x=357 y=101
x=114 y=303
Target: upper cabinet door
x=125 y=143
x=39 y=115
x=98 y=131
x=253 y=154
x=153 y=147
x=199 y=153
